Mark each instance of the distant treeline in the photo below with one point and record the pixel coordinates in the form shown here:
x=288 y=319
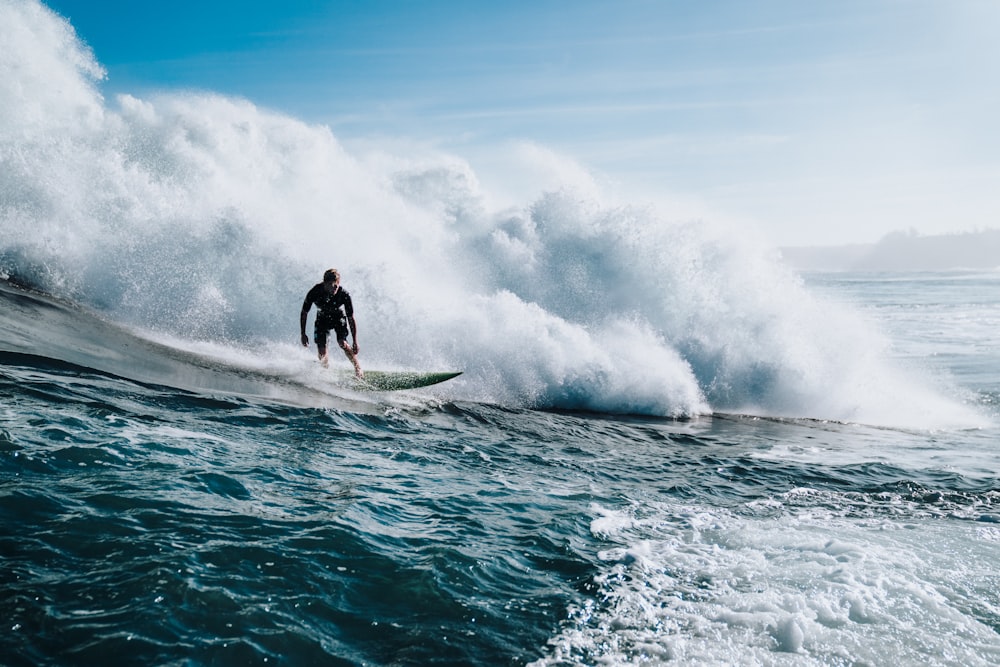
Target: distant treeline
x=904 y=251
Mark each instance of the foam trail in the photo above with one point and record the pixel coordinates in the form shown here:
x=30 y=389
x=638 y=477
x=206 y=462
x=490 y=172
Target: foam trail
x=208 y=217
x=684 y=583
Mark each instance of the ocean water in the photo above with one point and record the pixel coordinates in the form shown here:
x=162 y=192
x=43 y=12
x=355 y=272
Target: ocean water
x=665 y=447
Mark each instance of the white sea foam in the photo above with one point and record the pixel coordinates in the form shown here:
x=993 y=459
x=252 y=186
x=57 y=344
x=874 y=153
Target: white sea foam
x=208 y=217
x=702 y=585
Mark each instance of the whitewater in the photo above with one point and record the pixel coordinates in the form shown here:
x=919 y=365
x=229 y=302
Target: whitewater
x=666 y=446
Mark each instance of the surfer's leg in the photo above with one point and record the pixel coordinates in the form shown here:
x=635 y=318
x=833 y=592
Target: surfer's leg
x=349 y=353
x=320 y=336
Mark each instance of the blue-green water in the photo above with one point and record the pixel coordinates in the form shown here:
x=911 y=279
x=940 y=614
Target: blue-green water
x=143 y=524
x=665 y=445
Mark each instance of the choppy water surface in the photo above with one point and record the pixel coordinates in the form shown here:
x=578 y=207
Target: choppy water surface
x=144 y=524
x=665 y=445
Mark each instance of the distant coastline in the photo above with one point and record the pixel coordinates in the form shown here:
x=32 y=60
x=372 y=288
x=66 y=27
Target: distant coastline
x=903 y=251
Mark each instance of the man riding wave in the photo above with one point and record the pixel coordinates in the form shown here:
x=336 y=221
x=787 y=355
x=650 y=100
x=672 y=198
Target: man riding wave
x=334 y=312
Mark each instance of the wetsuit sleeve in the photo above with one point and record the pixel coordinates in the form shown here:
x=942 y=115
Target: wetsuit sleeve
x=309 y=300
x=348 y=305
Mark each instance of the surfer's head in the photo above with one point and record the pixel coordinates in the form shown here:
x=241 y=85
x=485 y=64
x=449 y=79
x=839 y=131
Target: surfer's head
x=331 y=276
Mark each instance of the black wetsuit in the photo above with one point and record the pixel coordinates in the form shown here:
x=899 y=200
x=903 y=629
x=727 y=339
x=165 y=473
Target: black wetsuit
x=332 y=312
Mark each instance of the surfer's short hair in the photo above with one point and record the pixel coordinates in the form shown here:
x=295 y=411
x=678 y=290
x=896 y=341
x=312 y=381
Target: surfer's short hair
x=331 y=276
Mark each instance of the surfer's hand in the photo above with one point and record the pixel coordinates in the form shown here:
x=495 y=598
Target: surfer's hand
x=355 y=348
x=305 y=340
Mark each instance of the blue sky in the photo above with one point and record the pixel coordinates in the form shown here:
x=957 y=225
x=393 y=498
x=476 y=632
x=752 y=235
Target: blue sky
x=817 y=121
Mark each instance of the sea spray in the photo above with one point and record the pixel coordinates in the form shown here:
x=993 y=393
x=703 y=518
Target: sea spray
x=207 y=217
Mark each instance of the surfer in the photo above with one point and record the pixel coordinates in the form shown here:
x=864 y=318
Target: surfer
x=334 y=311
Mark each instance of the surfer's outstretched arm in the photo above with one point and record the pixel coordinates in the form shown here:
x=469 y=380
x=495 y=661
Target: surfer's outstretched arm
x=354 y=332
x=302 y=327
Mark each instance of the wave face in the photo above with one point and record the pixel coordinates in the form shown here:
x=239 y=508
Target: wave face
x=207 y=218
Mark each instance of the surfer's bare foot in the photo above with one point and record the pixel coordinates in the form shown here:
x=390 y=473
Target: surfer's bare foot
x=325 y=361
